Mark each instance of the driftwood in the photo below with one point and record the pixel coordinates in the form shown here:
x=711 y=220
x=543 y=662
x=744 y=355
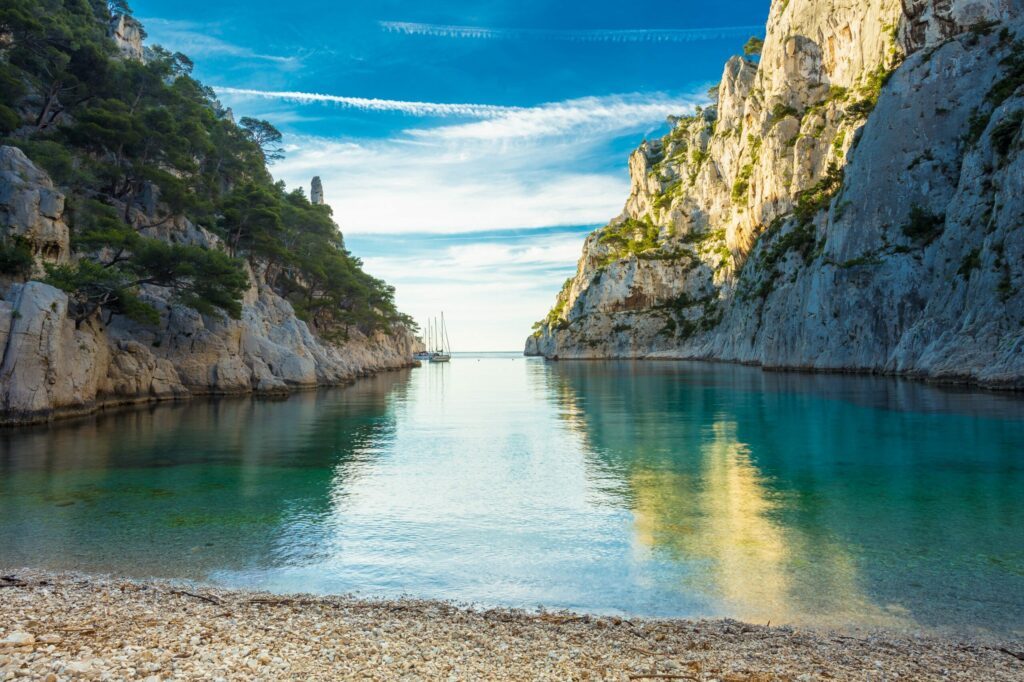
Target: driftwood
x=203 y=597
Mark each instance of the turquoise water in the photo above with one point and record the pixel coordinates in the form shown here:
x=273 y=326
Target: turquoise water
x=652 y=488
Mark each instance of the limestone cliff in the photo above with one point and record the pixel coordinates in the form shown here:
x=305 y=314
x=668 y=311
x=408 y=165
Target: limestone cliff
x=51 y=367
x=851 y=202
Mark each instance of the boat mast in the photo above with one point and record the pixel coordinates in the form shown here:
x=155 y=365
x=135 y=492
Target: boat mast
x=444 y=331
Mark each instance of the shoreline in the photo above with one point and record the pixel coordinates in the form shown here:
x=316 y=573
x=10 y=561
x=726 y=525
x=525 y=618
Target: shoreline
x=115 y=404
x=962 y=382
x=59 y=625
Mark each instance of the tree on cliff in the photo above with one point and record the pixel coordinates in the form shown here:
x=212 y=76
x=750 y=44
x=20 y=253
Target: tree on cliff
x=266 y=137
x=123 y=260
x=141 y=143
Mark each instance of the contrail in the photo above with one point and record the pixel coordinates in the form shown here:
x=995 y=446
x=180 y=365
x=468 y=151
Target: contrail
x=642 y=35
x=411 y=108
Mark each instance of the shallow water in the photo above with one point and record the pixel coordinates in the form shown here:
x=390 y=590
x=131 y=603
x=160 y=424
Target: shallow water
x=651 y=488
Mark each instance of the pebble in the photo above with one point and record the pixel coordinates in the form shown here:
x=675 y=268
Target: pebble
x=106 y=628
x=18 y=638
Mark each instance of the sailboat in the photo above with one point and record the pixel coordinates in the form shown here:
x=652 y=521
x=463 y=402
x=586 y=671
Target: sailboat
x=442 y=348
x=424 y=354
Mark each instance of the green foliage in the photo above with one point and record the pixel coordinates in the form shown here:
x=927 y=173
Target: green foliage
x=554 y=320
x=781 y=111
x=837 y=144
x=55 y=158
x=923 y=225
x=630 y=237
x=679 y=319
x=665 y=197
x=91 y=286
x=971 y=261
x=976 y=125
x=112 y=131
x=1012 y=79
x=15 y=258
x=753 y=47
x=870 y=92
x=1006 y=131
x=742 y=184
x=265 y=136
x=817 y=198
x=802 y=237
x=1013 y=76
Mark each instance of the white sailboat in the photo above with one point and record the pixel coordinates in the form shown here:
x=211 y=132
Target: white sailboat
x=442 y=348
x=424 y=355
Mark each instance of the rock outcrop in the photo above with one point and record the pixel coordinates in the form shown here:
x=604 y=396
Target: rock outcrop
x=850 y=203
x=316 y=192
x=49 y=367
x=127 y=33
x=31 y=209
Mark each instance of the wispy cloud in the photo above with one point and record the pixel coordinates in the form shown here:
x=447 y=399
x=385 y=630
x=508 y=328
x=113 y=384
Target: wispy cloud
x=515 y=167
x=195 y=40
x=594 y=114
x=642 y=35
x=390 y=186
x=368 y=104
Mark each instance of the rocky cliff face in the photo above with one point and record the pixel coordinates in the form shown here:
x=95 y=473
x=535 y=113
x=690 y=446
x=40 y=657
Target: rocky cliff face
x=49 y=367
x=850 y=203
x=127 y=33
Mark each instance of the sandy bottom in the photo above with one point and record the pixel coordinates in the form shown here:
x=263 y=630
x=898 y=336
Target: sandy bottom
x=58 y=626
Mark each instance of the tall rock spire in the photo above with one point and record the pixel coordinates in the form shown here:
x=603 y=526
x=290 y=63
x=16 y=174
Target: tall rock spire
x=316 y=191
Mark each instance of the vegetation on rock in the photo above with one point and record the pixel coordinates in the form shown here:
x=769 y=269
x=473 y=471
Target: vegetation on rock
x=138 y=144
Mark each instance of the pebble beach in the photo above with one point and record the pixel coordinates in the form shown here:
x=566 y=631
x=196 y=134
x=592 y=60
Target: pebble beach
x=60 y=626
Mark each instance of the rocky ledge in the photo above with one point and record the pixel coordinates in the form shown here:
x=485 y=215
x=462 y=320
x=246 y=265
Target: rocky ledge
x=60 y=627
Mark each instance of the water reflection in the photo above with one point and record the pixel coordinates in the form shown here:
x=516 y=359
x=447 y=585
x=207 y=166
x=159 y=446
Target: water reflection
x=184 y=489
x=820 y=499
x=645 y=488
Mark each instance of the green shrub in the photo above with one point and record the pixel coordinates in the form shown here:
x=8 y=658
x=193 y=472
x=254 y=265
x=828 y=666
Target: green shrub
x=817 y=198
x=15 y=258
x=971 y=261
x=1006 y=131
x=923 y=225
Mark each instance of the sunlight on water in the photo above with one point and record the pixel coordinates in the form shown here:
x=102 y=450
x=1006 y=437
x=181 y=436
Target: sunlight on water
x=642 y=488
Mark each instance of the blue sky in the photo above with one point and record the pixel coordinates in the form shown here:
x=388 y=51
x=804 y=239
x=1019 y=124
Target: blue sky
x=466 y=148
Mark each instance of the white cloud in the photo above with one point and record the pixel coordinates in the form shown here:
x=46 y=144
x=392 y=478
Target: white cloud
x=645 y=35
x=391 y=187
x=594 y=114
x=517 y=168
x=412 y=108
x=491 y=293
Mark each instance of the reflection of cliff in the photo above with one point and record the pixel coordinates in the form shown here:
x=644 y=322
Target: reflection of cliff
x=725 y=518
x=209 y=482
x=699 y=497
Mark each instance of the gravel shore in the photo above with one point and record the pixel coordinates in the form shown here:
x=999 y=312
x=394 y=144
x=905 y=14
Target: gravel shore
x=57 y=626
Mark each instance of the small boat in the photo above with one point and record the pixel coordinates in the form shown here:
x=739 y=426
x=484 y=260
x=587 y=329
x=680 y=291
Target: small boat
x=424 y=355
x=442 y=348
